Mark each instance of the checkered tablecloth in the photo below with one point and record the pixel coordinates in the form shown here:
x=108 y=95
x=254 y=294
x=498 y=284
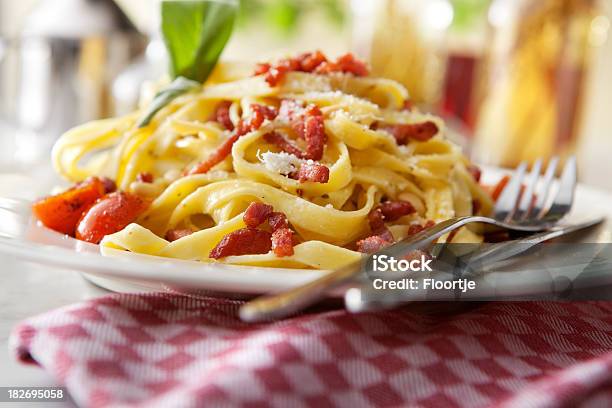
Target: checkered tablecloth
x=166 y=350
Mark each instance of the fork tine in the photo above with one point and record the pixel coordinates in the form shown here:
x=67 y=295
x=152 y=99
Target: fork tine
x=564 y=199
x=504 y=208
x=527 y=196
x=545 y=188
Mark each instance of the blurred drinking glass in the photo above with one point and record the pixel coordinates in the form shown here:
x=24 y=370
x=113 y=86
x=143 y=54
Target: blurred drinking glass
x=534 y=78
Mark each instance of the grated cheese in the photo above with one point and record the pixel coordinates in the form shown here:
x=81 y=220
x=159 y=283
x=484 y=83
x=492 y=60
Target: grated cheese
x=283 y=163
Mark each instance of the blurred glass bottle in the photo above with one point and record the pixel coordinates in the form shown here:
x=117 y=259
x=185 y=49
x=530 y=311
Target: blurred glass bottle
x=404 y=40
x=534 y=78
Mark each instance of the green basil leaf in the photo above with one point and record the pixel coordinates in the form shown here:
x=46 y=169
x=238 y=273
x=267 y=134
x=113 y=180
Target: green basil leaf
x=178 y=87
x=195 y=33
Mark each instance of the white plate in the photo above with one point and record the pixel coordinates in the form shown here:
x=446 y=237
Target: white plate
x=26 y=239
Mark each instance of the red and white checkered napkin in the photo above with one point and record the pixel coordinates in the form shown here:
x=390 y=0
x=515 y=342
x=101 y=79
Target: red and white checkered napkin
x=167 y=350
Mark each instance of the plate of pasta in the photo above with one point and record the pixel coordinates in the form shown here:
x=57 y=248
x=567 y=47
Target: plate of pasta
x=251 y=183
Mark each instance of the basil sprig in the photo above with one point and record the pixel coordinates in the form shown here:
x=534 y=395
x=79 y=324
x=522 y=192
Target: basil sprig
x=195 y=33
x=178 y=87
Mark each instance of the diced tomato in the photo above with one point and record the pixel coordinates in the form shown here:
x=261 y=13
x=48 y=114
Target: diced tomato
x=108 y=215
x=256 y=214
x=417 y=228
x=63 y=211
x=246 y=241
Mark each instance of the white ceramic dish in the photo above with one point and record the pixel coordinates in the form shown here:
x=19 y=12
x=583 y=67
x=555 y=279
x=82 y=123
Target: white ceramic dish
x=22 y=237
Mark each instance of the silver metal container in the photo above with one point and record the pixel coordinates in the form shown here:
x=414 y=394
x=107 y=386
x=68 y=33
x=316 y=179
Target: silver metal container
x=68 y=54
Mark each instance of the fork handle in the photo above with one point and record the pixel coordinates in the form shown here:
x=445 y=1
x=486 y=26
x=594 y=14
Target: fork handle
x=294 y=300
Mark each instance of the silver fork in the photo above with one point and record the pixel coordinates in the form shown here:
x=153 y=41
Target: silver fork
x=513 y=211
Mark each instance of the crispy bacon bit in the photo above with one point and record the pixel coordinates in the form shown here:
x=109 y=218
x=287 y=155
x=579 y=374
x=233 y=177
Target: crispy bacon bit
x=310 y=62
x=394 y=210
x=222 y=115
x=144 y=177
x=347 y=63
x=314 y=172
x=282 y=242
x=246 y=241
x=372 y=244
x=309 y=124
x=418 y=228
x=256 y=214
x=284 y=144
x=259 y=113
x=417 y=254
x=421 y=132
x=408 y=105
x=109 y=185
x=475 y=172
x=176 y=234
x=278 y=220
x=376 y=219
x=499 y=187
x=314 y=132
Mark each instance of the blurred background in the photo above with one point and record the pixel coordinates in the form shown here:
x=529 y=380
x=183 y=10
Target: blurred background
x=516 y=79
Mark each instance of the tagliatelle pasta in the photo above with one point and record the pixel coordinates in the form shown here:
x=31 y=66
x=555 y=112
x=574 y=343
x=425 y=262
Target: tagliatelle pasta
x=334 y=152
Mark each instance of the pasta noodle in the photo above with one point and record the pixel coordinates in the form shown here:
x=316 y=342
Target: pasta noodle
x=328 y=201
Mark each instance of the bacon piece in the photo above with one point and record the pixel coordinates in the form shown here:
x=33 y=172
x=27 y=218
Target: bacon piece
x=310 y=62
x=347 y=64
x=499 y=187
x=256 y=214
x=417 y=254
x=314 y=172
x=408 y=105
x=176 y=234
x=284 y=144
x=314 y=132
x=259 y=113
x=246 y=241
x=109 y=185
x=417 y=228
x=421 y=132
x=144 y=177
x=222 y=115
x=278 y=220
x=216 y=157
x=308 y=123
x=394 y=210
x=282 y=242
x=372 y=244
x=376 y=219
x=475 y=172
